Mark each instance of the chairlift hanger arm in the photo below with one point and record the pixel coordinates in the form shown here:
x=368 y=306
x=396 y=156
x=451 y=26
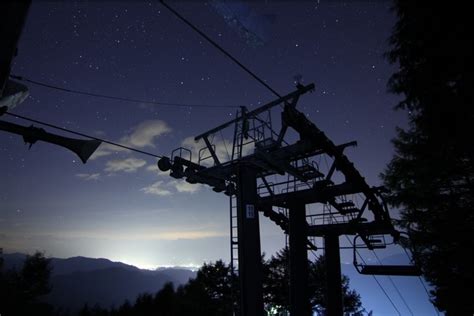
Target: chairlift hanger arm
x=211 y=150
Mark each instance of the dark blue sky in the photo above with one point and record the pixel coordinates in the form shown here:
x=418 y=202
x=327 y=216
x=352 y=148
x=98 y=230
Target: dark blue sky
x=117 y=205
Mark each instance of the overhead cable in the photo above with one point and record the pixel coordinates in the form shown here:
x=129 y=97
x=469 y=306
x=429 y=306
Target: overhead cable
x=111 y=97
x=220 y=48
x=375 y=278
x=423 y=284
x=394 y=285
x=83 y=135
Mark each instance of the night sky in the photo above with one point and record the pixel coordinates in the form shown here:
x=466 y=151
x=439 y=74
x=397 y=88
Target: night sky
x=118 y=205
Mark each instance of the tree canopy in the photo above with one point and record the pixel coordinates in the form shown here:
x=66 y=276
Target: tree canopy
x=431 y=175
x=277 y=279
x=210 y=293
x=21 y=290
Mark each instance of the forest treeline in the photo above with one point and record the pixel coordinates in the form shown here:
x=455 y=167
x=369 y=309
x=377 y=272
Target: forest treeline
x=431 y=176
x=209 y=293
x=21 y=289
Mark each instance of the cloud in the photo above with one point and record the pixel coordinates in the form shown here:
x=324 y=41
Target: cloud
x=173 y=233
x=105 y=150
x=125 y=165
x=223 y=150
x=156 y=189
x=193 y=234
x=185 y=187
x=162 y=188
x=88 y=177
x=154 y=168
x=143 y=135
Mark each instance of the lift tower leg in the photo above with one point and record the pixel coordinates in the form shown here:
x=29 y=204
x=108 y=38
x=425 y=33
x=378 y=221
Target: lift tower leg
x=333 y=268
x=250 y=260
x=299 y=300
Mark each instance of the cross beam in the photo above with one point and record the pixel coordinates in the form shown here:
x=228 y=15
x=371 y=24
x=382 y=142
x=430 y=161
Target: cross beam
x=286 y=98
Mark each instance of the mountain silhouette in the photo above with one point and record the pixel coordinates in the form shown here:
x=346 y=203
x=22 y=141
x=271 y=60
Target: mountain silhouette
x=80 y=280
x=83 y=264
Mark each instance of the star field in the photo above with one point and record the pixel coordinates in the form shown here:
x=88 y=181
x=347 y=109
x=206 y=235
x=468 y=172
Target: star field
x=118 y=205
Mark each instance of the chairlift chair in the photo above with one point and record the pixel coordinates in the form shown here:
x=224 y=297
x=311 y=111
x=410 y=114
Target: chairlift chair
x=400 y=270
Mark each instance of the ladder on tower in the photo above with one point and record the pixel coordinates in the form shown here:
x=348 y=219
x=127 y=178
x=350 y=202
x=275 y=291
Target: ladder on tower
x=242 y=132
x=234 y=253
x=238 y=143
x=248 y=132
x=234 y=238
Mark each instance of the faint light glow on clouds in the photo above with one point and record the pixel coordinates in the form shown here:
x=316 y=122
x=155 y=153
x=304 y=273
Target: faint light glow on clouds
x=143 y=135
x=124 y=165
x=190 y=234
x=141 y=235
x=162 y=188
x=223 y=148
x=104 y=150
x=147 y=248
x=156 y=188
x=154 y=169
x=88 y=176
x=183 y=186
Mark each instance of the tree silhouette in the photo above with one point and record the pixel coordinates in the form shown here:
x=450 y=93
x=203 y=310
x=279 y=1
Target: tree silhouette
x=209 y=294
x=276 y=286
x=166 y=301
x=20 y=291
x=431 y=175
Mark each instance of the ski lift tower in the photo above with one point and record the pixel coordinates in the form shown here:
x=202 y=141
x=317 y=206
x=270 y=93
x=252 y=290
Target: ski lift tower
x=238 y=179
x=267 y=174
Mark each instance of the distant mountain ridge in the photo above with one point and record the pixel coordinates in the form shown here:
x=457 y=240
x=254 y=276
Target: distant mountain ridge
x=84 y=264
x=80 y=280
